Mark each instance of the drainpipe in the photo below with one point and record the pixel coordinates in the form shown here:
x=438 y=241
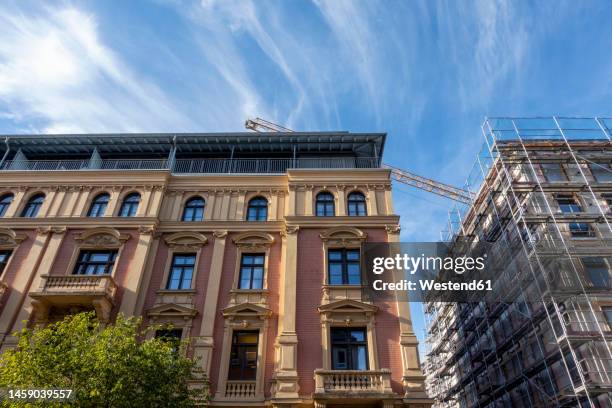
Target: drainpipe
x=8 y=149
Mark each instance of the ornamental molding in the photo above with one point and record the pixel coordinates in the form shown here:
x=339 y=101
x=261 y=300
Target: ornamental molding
x=102 y=237
x=290 y=230
x=253 y=240
x=393 y=229
x=186 y=240
x=220 y=233
x=343 y=235
x=10 y=239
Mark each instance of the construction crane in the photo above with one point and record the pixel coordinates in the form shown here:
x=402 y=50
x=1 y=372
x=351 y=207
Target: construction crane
x=399 y=175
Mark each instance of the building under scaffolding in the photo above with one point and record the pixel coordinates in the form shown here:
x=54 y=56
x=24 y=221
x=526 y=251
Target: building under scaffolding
x=542 y=338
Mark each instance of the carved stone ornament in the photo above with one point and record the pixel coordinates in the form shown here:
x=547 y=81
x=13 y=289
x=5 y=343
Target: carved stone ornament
x=343 y=235
x=10 y=238
x=186 y=240
x=252 y=240
x=392 y=229
x=101 y=238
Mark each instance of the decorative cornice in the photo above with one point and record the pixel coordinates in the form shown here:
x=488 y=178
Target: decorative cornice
x=10 y=238
x=343 y=235
x=102 y=237
x=393 y=229
x=220 y=233
x=186 y=240
x=251 y=240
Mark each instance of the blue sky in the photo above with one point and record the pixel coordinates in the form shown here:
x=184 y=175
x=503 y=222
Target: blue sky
x=425 y=72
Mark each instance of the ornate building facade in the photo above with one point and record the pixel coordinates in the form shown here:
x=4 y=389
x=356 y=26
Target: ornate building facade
x=248 y=244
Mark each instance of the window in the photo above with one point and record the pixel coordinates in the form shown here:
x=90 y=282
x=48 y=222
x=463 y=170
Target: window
x=606 y=197
x=130 y=205
x=194 y=209
x=98 y=205
x=5 y=202
x=602 y=172
x=569 y=205
x=356 y=205
x=95 y=263
x=258 y=209
x=607 y=311
x=349 y=348
x=33 y=206
x=251 y=271
x=172 y=336
x=597 y=270
x=181 y=271
x=343 y=267
x=243 y=357
x=325 y=205
x=554 y=172
x=4 y=257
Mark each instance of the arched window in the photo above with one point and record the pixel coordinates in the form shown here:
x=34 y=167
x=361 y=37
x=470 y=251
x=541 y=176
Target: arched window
x=258 y=209
x=356 y=204
x=5 y=201
x=98 y=205
x=194 y=209
x=325 y=204
x=130 y=205
x=33 y=206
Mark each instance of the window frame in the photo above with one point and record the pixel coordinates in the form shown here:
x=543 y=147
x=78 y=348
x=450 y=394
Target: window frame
x=173 y=257
x=576 y=229
x=193 y=209
x=326 y=204
x=589 y=261
x=244 y=347
x=259 y=208
x=96 y=205
x=169 y=335
x=252 y=266
x=349 y=345
x=353 y=205
x=26 y=211
x=132 y=206
x=562 y=171
x=600 y=171
x=109 y=265
x=4 y=206
x=4 y=262
x=344 y=263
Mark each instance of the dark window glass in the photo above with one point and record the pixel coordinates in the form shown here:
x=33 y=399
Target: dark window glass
x=95 y=263
x=4 y=257
x=325 y=205
x=554 y=172
x=344 y=267
x=172 y=336
x=607 y=311
x=569 y=205
x=606 y=197
x=33 y=206
x=130 y=205
x=194 y=209
x=257 y=209
x=597 y=270
x=243 y=358
x=5 y=202
x=251 y=271
x=181 y=271
x=98 y=205
x=349 y=348
x=356 y=205
x=602 y=172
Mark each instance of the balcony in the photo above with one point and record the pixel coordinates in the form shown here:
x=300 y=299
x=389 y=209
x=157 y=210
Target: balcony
x=195 y=166
x=240 y=390
x=74 y=291
x=348 y=384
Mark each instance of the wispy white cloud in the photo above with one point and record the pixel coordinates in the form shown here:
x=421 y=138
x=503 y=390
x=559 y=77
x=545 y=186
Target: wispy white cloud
x=56 y=71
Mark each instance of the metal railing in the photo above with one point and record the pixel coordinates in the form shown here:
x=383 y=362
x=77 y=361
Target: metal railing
x=195 y=166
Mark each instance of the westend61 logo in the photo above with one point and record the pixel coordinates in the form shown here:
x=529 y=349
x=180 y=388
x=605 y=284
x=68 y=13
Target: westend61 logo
x=428 y=271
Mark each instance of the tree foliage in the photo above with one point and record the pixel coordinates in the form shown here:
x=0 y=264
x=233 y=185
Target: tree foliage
x=105 y=367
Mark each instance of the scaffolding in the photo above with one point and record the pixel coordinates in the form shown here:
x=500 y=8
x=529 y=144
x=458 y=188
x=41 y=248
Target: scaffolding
x=541 y=193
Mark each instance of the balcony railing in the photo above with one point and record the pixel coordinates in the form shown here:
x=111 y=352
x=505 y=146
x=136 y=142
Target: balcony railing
x=353 y=381
x=240 y=390
x=195 y=166
x=78 y=285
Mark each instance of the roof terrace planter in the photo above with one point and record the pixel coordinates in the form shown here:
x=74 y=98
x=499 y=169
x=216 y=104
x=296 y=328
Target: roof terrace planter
x=66 y=291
